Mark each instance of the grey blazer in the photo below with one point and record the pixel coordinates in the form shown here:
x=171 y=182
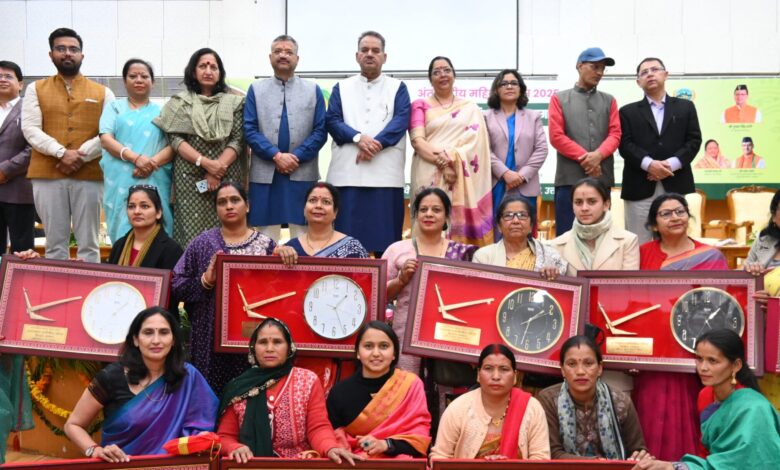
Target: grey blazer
x=14 y=159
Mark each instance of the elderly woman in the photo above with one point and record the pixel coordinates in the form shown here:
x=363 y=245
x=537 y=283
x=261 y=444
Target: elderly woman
x=204 y=127
x=712 y=158
x=451 y=152
x=518 y=146
x=148 y=397
x=135 y=151
x=586 y=417
x=517 y=248
x=275 y=409
x=380 y=410
x=673 y=429
x=321 y=238
x=430 y=211
x=495 y=421
x=739 y=427
x=594 y=243
x=195 y=275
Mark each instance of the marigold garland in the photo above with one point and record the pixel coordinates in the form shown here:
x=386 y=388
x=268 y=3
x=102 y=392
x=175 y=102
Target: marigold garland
x=59 y=431
x=37 y=394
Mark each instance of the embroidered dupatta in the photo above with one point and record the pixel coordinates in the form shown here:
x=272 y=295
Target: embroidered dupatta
x=397 y=411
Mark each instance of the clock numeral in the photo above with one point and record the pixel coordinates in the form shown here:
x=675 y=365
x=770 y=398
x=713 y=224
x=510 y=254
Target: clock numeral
x=311 y=307
x=316 y=292
x=707 y=296
x=538 y=343
x=355 y=296
x=353 y=320
x=515 y=341
x=694 y=343
x=506 y=332
x=511 y=304
x=550 y=312
x=734 y=322
x=527 y=345
x=323 y=327
x=685 y=335
x=314 y=320
x=503 y=317
x=333 y=331
x=555 y=324
x=548 y=336
x=359 y=308
x=679 y=320
x=336 y=284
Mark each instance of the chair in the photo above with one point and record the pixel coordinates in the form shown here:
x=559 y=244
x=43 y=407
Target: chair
x=545 y=229
x=696 y=205
x=748 y=212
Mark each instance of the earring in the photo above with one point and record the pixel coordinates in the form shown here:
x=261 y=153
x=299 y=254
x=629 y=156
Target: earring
x=733 y=379
x=251 y=359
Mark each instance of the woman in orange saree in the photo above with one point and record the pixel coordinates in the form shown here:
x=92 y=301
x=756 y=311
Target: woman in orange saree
x=380 y=411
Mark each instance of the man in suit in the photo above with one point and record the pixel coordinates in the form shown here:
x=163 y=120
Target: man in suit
x=17 y=211
x=585 y=130
x=661 y=136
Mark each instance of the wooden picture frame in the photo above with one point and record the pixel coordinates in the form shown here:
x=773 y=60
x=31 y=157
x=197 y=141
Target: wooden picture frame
x=138 y=462
x=251 y=288
x=73 y=309
x=487 y=304
x=532 y=465
x=325 y=464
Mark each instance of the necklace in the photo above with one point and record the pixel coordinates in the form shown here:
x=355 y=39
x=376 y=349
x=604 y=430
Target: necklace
x=438 y=249
x=238 y=240
x=327 y=242
x=135 y=105
x=497 y=421
x=440 y=103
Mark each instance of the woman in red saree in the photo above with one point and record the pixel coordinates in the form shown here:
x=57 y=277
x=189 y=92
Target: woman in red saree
x=380 y=411
x=673 y=429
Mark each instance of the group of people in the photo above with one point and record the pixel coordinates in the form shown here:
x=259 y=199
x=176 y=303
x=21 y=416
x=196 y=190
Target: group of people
x=177 y=188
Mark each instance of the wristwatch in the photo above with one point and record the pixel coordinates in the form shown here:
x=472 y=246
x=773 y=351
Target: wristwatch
x=90 y=450
x=197 y=162
x=357 y=137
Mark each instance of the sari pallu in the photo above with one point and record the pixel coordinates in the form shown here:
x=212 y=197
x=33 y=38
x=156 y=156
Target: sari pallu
x=153 y=417
x=398 y=411
x=460 y=130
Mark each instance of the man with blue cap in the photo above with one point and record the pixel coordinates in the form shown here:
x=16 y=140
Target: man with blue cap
x=584 y=127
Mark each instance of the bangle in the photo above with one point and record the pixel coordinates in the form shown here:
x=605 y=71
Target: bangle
x=206 y=284
x=198 y=160
x=122 y=154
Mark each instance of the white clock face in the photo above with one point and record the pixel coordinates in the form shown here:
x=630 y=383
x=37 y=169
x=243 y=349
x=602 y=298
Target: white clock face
x=109 y=309
x=334 y=307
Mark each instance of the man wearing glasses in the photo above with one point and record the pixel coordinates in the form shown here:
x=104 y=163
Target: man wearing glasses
x=584 y=128
x=284 y=125
x=60 y=117
x=661 y=137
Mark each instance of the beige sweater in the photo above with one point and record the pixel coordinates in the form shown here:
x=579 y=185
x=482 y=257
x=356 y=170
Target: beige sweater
x=464 y=424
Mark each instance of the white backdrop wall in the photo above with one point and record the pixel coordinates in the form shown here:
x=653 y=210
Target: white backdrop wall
x=692 y=36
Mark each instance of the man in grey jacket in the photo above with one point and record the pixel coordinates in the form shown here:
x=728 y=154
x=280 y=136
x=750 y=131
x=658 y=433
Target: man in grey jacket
x=284 y=124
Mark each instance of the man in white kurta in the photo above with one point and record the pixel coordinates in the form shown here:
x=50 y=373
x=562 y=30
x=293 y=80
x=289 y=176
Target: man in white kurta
x=368 y=115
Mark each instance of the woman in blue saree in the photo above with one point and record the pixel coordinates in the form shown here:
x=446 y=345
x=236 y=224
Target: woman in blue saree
x=135 y=151
x=739 y=427
x=148 y=397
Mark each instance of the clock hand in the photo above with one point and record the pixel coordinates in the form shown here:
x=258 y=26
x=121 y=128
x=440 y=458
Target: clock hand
x=30 y=312
x=339 y=302
x=612 y=329
x=248 y=311
x=241 y=293
x=27 y=299
x=268 y=301
x=466 y=304
x=635 y=314
x=712 y=315
x=54 y=303
x=443 y=308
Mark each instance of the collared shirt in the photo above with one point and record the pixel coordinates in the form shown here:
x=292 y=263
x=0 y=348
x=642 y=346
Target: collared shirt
x=658 y=109
x=6 y=110
x=32 y=124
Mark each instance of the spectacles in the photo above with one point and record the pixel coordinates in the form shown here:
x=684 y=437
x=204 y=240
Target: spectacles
x=138 y=187
x=287 y=52
x=521 y=215
x=650 y=70
x=7 y=77
x=512 y=84
x=71 y=49
x=442 y=71
x=679 y=212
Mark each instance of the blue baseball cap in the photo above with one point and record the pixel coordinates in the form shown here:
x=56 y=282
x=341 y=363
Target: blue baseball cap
x=595 y=54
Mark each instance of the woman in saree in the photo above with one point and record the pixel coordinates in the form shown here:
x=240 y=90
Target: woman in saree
x=672 y=430
x=204 y=125
x=321 y=239
x=764 y=260
x=451 y=152
x=739 y=427
x=195 y=276
x=135 y=151
x=380 y=410
x=148 y=397
x=274 y=409
x=586 y=417
x=430 y=212
x=496 y=421
x=712 y=158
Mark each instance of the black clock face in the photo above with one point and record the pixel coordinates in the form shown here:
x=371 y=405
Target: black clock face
x=530 y=320
x=704 y=309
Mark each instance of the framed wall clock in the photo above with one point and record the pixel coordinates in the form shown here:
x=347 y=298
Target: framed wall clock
x=652 y=319
x=457 y=308
x=73 y=309
x=324 y=301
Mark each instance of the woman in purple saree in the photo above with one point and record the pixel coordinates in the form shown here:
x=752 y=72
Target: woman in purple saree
x=148 y=397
